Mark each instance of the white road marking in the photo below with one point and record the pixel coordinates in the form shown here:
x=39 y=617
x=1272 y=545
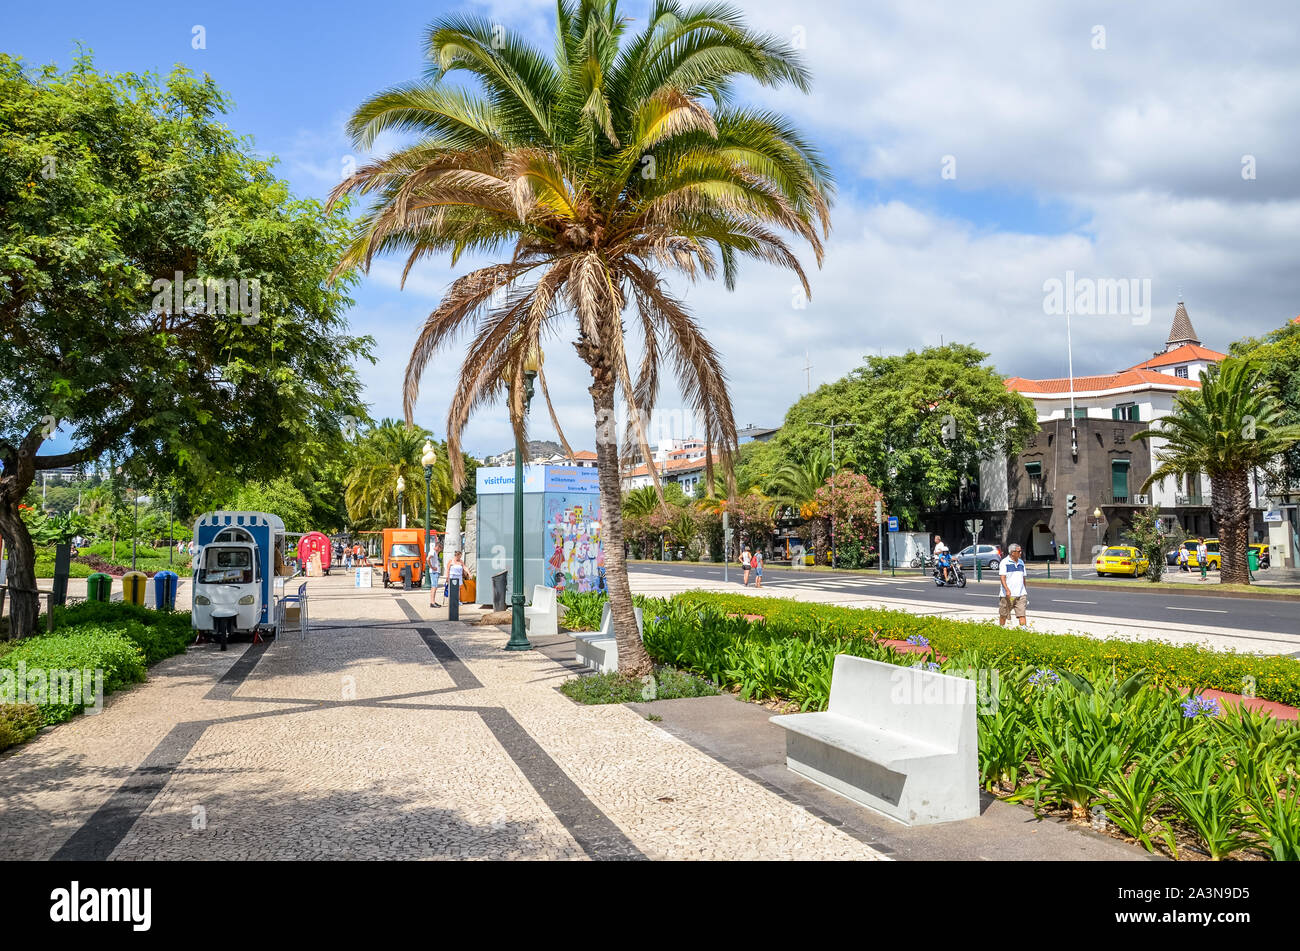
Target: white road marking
x=1068 y=601
x=1201 y=610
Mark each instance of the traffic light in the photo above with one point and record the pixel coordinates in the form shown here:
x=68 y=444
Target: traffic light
x=1071 y=505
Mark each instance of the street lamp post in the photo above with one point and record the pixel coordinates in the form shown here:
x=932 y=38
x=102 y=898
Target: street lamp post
x=1096 y=522
x=518 y=638
x=834 y=472
x=428 y=458
x=135 y=523
x=401 y=506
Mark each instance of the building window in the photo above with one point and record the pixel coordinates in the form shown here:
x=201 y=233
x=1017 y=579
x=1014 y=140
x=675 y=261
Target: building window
x=1119 y=480
x=1081 y=412
x=1126 y=411
x=1180 y=372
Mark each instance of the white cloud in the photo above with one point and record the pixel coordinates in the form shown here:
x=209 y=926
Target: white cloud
x=1117 y=163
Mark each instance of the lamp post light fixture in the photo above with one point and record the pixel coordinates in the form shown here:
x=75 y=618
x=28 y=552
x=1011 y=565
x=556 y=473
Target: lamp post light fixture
x=518 y=638
x=401 y=507
x=1096 y=515
x=428 y=459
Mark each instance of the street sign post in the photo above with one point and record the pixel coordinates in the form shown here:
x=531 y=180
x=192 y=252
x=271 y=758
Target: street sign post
x=893 y=523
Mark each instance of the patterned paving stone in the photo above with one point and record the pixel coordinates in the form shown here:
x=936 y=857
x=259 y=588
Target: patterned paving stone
x=387 y=733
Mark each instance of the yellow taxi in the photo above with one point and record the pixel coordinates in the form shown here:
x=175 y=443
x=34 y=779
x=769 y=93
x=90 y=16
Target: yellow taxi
x=1121 y=561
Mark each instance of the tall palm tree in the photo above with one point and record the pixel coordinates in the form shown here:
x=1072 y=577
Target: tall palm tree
x=795 y=485
x=390 y=450
x=591 y=173
x=1229 y=426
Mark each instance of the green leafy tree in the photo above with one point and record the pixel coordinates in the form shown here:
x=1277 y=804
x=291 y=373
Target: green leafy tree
x=1278 y=357
x=924 y=420
x=280 y=497
x=1147 y=535
x=590 y=173
x=111 y=186
x=1232 y=424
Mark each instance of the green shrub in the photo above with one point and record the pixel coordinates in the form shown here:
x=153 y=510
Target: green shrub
x=86 y=647
x=668 y=684
x=18 y=723
x=582 y=609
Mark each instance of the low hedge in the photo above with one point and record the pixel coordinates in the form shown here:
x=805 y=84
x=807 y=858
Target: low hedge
x=120 y=639
x=1170 y=665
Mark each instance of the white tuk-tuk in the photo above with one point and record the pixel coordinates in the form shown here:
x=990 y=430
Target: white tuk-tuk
x=239 y=556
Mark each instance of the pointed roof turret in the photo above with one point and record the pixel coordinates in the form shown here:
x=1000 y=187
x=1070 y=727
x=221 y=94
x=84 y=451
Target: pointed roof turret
x=1182 y=331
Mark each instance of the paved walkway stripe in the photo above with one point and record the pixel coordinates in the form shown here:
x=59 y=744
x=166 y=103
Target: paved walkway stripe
x=594 y=831
x=224 y=688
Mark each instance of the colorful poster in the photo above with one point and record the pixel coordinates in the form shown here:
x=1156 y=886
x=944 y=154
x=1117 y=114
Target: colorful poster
x=575 y=553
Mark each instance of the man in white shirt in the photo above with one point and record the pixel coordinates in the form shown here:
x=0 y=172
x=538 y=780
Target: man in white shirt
x=940 y=550
x=1015 y=596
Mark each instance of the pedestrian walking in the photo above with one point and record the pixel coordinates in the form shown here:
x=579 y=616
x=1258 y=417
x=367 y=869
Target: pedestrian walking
x=1183 y=559
x=745 y=560
x=435 y=572
x=1015 y=595
x=1202 y=556
x=757 y=562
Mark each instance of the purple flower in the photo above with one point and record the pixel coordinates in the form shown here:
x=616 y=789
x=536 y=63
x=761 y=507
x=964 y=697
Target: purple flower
x=1044 y=677
x=1200 y=706
x=920 y=640
x=927 y=665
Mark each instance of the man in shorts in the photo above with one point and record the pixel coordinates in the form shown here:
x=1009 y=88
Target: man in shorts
x=1015 y=596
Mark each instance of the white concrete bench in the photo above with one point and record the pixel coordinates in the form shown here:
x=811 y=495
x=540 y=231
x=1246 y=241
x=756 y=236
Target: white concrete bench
x=599 y=649
x=542 y=617
x=900 y=740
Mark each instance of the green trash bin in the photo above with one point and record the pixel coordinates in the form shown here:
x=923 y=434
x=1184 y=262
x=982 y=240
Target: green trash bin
x=1252 y=559
x=99 y=587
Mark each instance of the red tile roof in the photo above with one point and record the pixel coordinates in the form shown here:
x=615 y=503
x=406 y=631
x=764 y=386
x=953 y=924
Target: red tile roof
x=671 y=467
x=584 y=454
x=1089 y=384
x=1187 y=353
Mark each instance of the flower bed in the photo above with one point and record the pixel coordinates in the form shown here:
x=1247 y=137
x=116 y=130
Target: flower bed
x=1094 y=737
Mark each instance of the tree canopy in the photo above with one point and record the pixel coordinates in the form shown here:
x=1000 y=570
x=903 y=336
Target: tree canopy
x=161 y=292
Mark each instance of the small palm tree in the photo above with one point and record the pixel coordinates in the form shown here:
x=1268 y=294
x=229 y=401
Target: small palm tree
x=795 y=485
x=390 y=450
x=1229 y=426
x=591 y=172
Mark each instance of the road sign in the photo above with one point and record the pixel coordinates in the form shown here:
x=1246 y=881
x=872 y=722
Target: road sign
x=1093 y=521
x=1273 y=516
x=893 y=523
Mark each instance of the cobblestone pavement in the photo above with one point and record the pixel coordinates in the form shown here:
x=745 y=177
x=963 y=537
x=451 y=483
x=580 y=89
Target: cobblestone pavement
x=387 y=732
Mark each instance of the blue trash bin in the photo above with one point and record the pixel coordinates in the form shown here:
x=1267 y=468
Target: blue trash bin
x=164 y=590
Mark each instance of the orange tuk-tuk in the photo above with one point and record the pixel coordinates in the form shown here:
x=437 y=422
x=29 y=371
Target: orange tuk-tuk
x=403 y=547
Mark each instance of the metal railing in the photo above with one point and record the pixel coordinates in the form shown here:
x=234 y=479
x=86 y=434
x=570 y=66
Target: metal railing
x=1031 y=499
x=1189 y=500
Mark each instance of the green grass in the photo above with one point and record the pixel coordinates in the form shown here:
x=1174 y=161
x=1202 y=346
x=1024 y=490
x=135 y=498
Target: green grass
x=668 y=683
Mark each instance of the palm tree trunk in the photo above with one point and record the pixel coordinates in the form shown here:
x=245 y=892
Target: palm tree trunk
x=1230 y=494
x=633 y=661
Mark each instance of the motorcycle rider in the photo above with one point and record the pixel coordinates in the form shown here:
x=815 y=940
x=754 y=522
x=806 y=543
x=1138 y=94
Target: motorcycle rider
x=941 y=557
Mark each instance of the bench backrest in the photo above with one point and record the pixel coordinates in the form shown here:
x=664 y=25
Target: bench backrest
x=929 y=707
x=543 y=598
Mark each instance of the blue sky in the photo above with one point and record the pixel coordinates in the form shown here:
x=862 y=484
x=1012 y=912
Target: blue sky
x=1117 y=161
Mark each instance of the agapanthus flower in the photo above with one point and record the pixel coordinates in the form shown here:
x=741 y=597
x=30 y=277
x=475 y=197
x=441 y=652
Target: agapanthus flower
x=920 y=640
x=1200 y=706
x=1044 y=677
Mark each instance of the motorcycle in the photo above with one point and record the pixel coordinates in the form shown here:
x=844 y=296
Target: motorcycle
x=956 y=579
x=921 y=560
